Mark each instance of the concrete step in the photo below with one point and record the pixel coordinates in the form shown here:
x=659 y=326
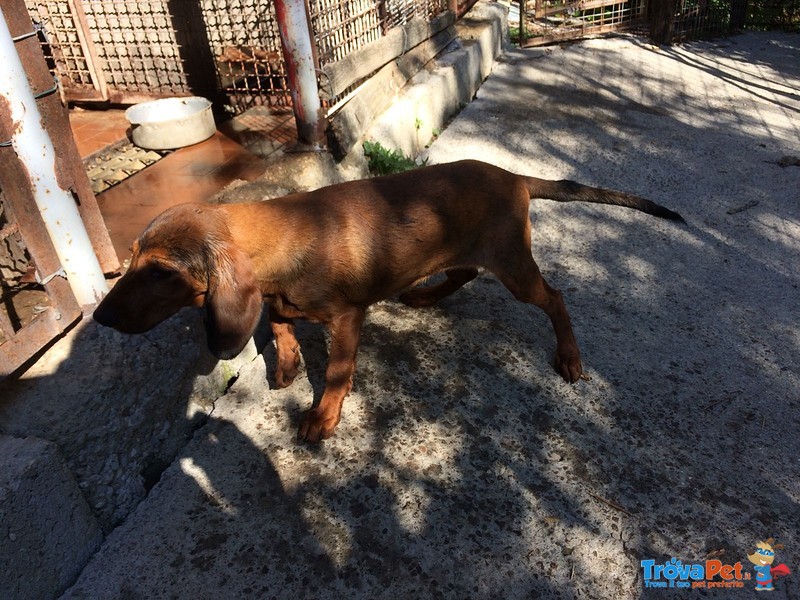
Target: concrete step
x=47 y=530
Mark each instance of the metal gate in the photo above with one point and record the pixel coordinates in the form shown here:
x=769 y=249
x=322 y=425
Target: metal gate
x=127 y=52
x=549 y=21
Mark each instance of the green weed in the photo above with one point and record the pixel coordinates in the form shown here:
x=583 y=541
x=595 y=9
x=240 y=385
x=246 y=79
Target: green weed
x=383 y=161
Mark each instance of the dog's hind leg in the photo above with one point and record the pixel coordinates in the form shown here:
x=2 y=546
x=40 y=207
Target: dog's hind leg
x=428 y=296
x=287 y=347
x=521 y=275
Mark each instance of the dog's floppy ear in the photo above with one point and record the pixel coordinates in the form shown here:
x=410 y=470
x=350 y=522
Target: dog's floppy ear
x=233 y=302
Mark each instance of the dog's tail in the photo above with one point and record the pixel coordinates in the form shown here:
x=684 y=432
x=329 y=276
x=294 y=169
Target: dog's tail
x=572 y=191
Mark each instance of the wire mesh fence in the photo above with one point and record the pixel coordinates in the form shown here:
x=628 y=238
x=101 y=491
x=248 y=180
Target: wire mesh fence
x=700 y=19
x=245 y=41
x=137 y=45
x=773 y=14
x=341 y=27
x=62 y=35
x=127 y=50
x=548 y=21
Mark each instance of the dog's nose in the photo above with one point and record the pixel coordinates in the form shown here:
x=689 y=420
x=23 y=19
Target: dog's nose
x=106 y=315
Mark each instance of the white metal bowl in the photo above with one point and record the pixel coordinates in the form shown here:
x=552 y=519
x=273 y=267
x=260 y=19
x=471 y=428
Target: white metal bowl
x=171 y=123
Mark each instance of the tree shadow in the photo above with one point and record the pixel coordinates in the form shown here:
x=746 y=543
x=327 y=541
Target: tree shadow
x=464 y=466
x=688 y=333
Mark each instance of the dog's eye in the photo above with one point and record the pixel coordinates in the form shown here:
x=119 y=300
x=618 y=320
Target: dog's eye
x=159 y=273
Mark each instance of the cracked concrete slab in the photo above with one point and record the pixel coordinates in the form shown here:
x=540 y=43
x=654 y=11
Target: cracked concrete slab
x=463 y=466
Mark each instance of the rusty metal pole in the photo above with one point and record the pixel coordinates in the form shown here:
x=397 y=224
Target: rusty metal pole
x=36 y=152
x=298 y=53
x=452 y=5
x=523 y=30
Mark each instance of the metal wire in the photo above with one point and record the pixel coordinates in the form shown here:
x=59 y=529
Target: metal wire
x=37 y=27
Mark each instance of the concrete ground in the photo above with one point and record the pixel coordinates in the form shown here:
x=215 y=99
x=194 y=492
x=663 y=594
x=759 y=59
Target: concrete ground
x=463 y=466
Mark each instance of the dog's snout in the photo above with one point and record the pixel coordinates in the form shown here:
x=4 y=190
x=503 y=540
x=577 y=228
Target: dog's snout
x=106 y=315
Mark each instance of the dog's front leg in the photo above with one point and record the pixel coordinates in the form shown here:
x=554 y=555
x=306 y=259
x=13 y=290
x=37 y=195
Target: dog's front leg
x=319 y=422
x=287 y=348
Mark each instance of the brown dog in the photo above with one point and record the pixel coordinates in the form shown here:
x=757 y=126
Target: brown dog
x=327 y=255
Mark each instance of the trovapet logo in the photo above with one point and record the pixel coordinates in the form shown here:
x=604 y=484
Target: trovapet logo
x=713 y=573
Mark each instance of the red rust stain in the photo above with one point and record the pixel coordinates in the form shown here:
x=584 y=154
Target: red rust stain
x=7 y=126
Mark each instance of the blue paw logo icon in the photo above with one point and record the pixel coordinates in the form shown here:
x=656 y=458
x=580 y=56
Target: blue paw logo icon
x=762 y=560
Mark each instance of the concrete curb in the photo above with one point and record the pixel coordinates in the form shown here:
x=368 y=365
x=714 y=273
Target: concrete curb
x=47 y=530
x=103 y=431
x=435 y=96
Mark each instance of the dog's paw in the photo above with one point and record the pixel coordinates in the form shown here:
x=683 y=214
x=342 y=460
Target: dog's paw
x=317 y=426
x=568 y=364
x=285 y=377
x=284 y=380
x=287 y=371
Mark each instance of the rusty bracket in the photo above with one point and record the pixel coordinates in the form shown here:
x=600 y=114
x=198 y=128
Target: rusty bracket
x=49 y=278
x=48 y=91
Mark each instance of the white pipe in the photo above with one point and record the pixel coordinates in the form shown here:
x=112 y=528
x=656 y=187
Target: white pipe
x=38 y=156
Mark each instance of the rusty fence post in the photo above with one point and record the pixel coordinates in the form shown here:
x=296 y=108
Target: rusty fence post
x=523 y=30
x=298 y=53
x=661 y=14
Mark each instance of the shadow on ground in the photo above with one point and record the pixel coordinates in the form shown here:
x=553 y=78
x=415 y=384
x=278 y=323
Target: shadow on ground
x=464 y=467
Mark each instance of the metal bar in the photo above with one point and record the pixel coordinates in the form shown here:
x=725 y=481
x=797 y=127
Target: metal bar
x=8 y=231
x=17 y=350
x=55 y=118
x=89 y=51
x=579 y=33
x=36 y=152
x=21 y=206
x=593 y=4
x=523 y=30
x=298 y=53
x=6 y=327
